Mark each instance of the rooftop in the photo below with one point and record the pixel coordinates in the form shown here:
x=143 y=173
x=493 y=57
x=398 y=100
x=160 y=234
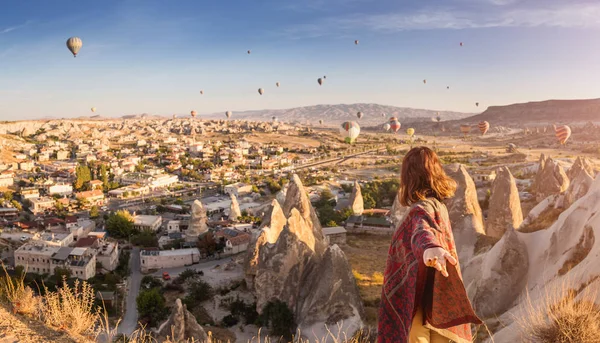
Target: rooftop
x=145 y=220
x=178 y=252
x=62 y=254
x=333 y=230
x=38 y=249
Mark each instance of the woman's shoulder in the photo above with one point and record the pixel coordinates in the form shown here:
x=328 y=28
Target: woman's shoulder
x=430 y=205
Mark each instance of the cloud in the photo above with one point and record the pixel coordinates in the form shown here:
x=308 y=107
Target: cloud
x=16 y=27
x=573 y=15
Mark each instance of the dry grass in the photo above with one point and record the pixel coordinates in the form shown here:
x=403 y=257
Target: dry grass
x=367 y=255
x=581 y=251
x=71 y=309
x=20 y=297
x=562 y=317
x=543 y=221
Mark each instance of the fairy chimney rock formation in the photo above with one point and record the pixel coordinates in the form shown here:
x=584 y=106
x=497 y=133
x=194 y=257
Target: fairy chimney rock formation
x=578 y=187
x=289 y=261
x=197 y=222
x=464 y=210
x=550 y=179
x=182 y=326
x=356 y=200
x=505 y=206
x=581 y=163
x=234 y=209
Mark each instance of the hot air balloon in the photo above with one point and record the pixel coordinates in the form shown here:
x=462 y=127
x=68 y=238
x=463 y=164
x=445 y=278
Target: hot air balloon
x=477 y=104
x=93 y=109
x=201 y=92
x=321 y=121
x=359 y=115
x=386 y=127
x=274 y=119
x=277 y=84
x=438 y=118
x=349 y=131
x=425 y=81
x=394 y=124
x=484 y=126
x=356 y=42
x=410 y=132
x=563 y=132
x=320 y=81
x=383 y=115
x=249 y=52
x=261 y=91
x=174 y=116
x=447 y=87
x=193 y=114
x=465 y=129
x=74 y=44
x=228 y=114
x=324 y=76
x=461 y=43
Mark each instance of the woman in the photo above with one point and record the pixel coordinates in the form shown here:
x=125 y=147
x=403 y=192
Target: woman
x=423 y=298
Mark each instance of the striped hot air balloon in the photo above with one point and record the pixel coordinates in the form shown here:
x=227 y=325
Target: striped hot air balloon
x=484 y=126
x=465 y=129
x=394 y=124
x=349 y=131
x=74 y=44
x=563 y=132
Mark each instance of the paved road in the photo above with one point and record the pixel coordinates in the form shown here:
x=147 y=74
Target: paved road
x=129 y=323
x=174 y=272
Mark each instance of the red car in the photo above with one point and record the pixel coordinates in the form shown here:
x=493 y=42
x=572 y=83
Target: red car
x=166 y=276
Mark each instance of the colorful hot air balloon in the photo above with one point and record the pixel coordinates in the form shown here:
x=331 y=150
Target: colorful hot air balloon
x=563 y=132
x=93 y=109
x=74 y=44
x=277 y=84
x=356 y=42
x=320 y=81
x=484 y=126
x=465 y=129
x=394 y=124
x=349 y=131
x=228 y=114
x=386 y=127
x=410 y=132
x=261 y=91
x=193 y=114
x=359 y=115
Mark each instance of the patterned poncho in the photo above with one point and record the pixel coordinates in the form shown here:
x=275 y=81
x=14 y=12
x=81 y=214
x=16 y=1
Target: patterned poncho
x=408 y=282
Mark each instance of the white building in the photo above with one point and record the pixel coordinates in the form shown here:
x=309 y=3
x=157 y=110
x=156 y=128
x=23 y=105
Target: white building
x=6 y=179
x=238 y=189
x=63 y=189
x=144 y=222
x=163 y=181
x=175 y=226
x=41 y=259
x=27 y=166
x=41 y=204
x=56 y=239
x=108 y=255
x=152 y=259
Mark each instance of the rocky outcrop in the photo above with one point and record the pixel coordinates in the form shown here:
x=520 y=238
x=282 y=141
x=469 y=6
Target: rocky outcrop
x=578 y=187
x=501 y=277
x=550 y=179
x=290 y=261
x=465 y=213
x=505 y=206
x=234 y=209
x=398 y=212
x=197 y=222
x=182 y=326
x=580 y=164
x=356 y=200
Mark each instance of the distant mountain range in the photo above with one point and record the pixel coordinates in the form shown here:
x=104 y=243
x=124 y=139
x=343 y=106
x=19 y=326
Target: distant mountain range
x=541 y=113
x=337 y=114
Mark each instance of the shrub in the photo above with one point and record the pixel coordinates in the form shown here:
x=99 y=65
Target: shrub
x=151 y=306
x=21 y=297
x=199 y=291
x=149 y=282
x=184 y=275
x=71 y=308
x=277 y=316
x=230 y=320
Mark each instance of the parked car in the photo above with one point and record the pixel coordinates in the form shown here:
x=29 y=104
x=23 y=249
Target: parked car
x=166 y=276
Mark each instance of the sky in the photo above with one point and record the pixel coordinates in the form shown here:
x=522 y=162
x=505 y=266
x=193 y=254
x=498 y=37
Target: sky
x=154 y=56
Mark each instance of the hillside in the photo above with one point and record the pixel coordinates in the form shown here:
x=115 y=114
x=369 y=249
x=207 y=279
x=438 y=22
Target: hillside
x=337 y=114
x=541 y=113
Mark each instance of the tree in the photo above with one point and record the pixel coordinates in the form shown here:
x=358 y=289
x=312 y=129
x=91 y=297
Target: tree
x=368 y=201
x=94 y=212
x=146 y=239
x=278 y=317
x=207 y=244
x=120 y=224
x=104 y=176
x=60 y=273
x=17 y=205
x=8 y=196
x=82 y=176
x=151 y=306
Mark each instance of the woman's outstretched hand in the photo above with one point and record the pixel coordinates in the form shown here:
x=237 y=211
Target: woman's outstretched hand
x=436 y=258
